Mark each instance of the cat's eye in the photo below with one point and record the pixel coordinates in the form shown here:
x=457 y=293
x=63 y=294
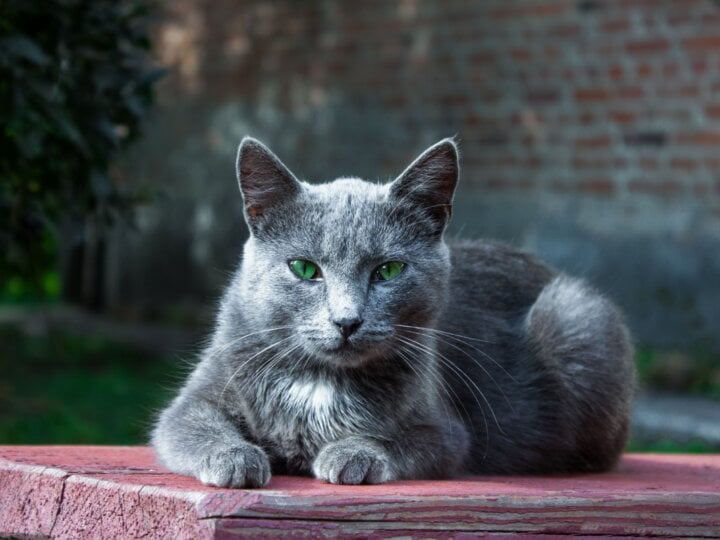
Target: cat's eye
x=305 y=269
x=389 y=270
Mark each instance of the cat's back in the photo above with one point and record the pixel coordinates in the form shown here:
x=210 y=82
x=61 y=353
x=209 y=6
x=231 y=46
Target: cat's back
x=494 y=277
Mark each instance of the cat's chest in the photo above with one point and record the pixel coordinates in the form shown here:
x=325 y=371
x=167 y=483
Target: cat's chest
x=302 y=415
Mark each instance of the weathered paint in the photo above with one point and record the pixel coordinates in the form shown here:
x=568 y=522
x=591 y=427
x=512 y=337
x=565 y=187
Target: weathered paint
x=69 y=492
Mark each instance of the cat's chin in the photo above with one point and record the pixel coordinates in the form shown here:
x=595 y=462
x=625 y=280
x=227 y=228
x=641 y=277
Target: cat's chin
x=345 y=355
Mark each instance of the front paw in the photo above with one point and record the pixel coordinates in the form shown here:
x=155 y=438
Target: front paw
x=238 y=467
x=355 y=460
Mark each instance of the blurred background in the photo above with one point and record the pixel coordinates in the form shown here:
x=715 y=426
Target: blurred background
x=589 y=132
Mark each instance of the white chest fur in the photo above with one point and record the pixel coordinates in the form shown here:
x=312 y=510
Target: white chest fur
x=310 y=409
x=313 y=398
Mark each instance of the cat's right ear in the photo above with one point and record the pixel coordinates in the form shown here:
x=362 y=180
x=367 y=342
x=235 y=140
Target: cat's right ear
x=265 y=182
x=429 y=182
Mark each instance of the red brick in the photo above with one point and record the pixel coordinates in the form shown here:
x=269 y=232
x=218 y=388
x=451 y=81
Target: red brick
x=487 y=96
x=701 y=138
x=610 y=49
x=650 y=46
x=532 y=10
x=551 y=53
x=660 y=188
x=650 y=163
x=684 y=164
x=679 y=19
x=483 y=57
x=543 y=95
x=616 y=25
x=700 y=67
x=453 y=100
x=644 y=71
x=586 y=118
x=620 y=163
x=593 y=187
x=591 y=163
x=713 y=111
x=598 y=141
x=630 y=92
x=566 y=31
x=691 y=90
x=703 y=44
x=713 y=163
x=534 y=162
x=623 y=117
x=591 y=94
x=396 y=102
x=597 y=187
x=616 y=72
x=520 y=54
x=503 y=184
x=472 y=120
x=671 y=69
x=545 y=10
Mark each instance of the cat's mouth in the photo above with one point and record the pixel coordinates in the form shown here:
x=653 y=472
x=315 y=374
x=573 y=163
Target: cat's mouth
x=344 y=353
x=342 y=346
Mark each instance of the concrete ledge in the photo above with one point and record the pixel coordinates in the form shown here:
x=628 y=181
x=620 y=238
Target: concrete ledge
x=119 y=492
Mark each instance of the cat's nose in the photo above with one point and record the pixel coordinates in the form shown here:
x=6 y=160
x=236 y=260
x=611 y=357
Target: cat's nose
x=347 y=326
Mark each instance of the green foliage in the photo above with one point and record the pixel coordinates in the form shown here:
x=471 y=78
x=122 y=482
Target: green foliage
x=697 y=372
x=74 y=86
x=64 y=388
x=667 y=446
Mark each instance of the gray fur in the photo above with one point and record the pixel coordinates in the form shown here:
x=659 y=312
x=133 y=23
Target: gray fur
x=476 y=359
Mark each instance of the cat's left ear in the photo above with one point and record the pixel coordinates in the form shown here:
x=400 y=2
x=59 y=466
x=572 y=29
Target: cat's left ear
x=429 y=182
x=265 y=182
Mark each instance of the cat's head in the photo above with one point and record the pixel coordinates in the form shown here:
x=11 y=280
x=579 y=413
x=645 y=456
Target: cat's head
x=348 y=266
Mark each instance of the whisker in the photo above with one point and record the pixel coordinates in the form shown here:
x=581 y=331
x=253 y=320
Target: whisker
x=444 y=332
x=466 y=380
x=409 y=364
x=477 y=363
x=214 y=352
x=273 y=361
x=462 y=339
x=261 y=351
x=442 y=384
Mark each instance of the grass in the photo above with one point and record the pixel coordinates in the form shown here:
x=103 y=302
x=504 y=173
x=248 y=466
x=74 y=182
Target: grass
x=697 y=372
x=62 y=388
x=670 y=447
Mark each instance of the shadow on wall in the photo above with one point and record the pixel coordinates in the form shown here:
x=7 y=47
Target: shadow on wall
x=589 y=134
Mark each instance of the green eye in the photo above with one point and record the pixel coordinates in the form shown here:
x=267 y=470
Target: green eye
x=304 y=269
x=389 y=270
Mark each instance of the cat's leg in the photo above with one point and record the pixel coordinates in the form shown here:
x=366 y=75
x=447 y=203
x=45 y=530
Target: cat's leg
x=581 y=338
x=420 y=451
x=194 y=437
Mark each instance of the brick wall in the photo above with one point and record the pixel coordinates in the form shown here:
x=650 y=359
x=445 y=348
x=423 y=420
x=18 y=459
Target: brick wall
x=590 y=132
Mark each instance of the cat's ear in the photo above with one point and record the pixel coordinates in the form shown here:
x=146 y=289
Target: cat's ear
x=265 y=182
x=429 y=182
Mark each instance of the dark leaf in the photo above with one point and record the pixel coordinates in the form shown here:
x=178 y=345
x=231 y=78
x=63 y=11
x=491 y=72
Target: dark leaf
x=16 y=48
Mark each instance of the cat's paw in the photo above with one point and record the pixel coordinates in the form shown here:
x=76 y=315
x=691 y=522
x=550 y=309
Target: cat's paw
x=354 y=461
x=244 y=466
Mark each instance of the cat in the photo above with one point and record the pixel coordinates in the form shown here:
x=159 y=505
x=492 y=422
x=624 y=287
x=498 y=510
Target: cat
x=356 y=345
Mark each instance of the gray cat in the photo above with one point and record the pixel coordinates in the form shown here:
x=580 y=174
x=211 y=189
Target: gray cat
x=353 y=344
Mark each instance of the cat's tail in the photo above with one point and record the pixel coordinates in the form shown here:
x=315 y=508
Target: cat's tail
x=581 y=337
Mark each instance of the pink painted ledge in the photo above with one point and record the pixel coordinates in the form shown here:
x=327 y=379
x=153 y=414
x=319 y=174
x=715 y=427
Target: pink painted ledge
x=121 y=492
